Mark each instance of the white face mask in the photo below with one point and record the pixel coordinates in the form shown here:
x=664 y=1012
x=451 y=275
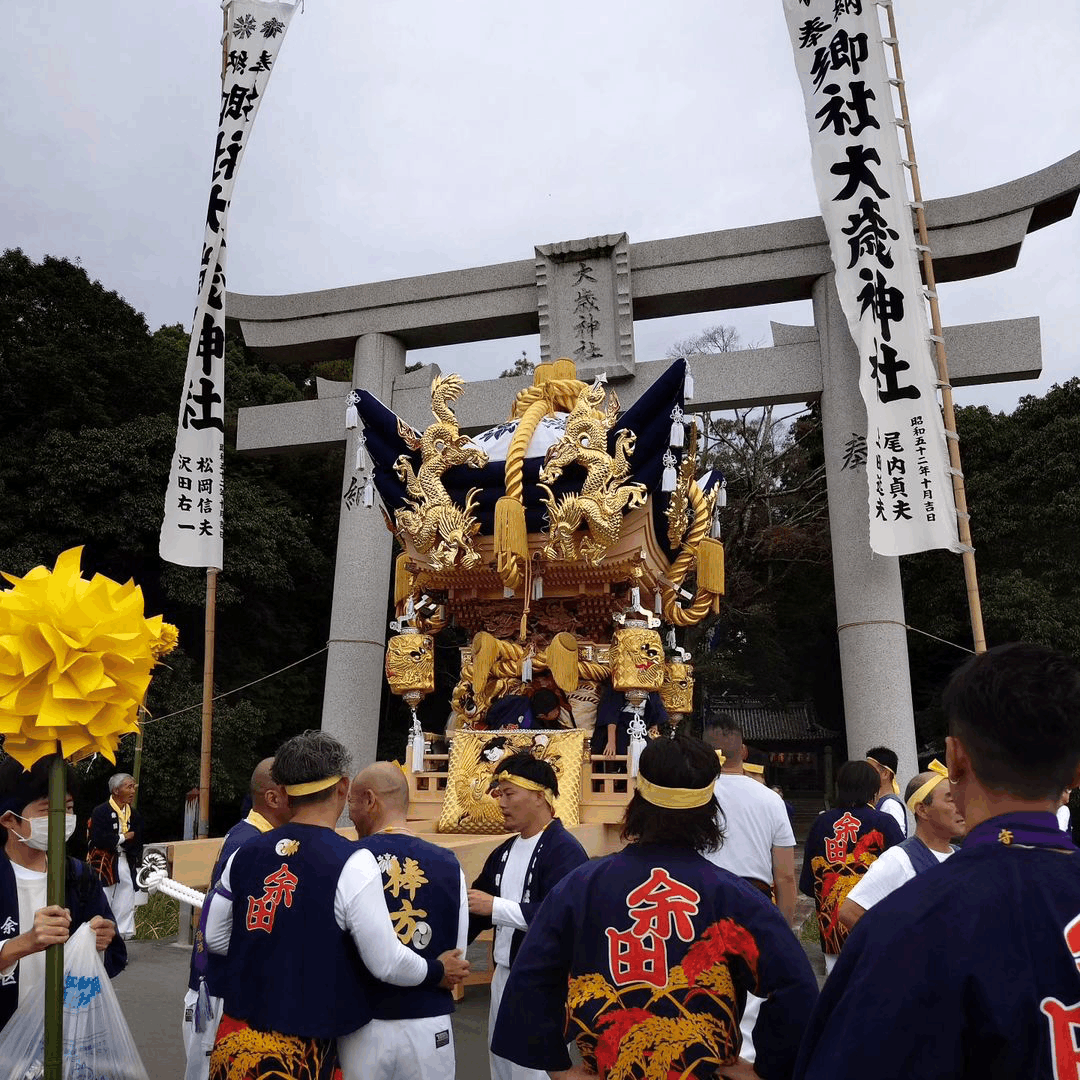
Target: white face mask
x=39 y=831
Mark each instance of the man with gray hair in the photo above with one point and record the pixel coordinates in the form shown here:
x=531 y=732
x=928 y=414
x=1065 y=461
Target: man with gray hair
x=301 y=915
x=114 y=848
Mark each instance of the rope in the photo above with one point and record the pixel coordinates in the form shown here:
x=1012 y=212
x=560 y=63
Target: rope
x=674 y=611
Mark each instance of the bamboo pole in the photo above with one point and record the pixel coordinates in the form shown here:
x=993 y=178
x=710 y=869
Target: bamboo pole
x=963 y=518
x=136 y=769
x=54 y=894
x=207 y=702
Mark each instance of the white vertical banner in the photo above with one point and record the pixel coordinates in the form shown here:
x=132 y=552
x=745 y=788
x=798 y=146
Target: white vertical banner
x=862 y=189
x=191 y=529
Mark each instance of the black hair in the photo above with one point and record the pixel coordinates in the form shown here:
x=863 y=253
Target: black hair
x=723 y=722
x=523 y=764
x=857 y=783
x=1016 y=709
x=543 y=701
x=312 y=755
x=681 y=762
x=20 y=787
x=884 y=756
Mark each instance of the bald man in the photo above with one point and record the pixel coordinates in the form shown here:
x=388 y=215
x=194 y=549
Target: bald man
x=410 y=1035
x=269 y=810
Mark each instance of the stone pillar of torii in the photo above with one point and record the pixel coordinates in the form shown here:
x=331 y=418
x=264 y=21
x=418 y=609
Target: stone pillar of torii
x=583 y=297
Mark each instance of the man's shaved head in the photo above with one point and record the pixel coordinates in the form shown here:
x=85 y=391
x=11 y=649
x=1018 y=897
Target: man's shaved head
x=378 y=798
x=261 y=779
x=387 y=781
x=726 y=736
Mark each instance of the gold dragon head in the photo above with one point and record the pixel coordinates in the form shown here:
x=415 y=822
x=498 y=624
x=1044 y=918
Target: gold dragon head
x=410 y=663
x=637 y=659
x=677 y=691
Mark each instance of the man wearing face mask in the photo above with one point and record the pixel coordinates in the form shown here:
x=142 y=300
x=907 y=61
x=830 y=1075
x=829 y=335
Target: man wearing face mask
x=28 y=926
x=114 y=848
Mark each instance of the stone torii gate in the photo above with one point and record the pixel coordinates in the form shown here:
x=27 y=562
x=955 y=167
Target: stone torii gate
x=583 y=297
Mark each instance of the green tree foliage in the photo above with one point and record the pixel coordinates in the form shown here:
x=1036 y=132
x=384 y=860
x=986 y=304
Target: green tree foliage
x=775 y=633
x=1022 y=472
x=521 y=366
x=87 y=427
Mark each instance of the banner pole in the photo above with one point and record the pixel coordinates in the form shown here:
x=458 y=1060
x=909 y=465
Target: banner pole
x=136 y=769
x=54 y=894
x=963 y=518
x=207 y=702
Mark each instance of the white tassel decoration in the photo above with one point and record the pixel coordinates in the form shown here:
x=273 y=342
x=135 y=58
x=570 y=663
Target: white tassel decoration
x=352 y=417
x=538 y=587
x=721 y=499
x=526 y=669
x=369 y=494
x=670 y=477
x=361 y=455
x=416 y=744
x=635 y=597
x=658 y=602
x=678 y=432
x=688 y=384
x=671 y=639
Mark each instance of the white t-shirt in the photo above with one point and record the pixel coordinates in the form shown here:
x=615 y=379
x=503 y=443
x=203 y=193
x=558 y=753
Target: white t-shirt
x=891 y=869
x=895 y=809
x=506 y=907
x=31 y=888
x=755 y=821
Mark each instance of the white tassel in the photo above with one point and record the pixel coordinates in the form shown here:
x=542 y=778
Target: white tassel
x=635 y=597
x=637 y=739
x=670 y=477
x=657 y=602
x=538 y=587
x=688 y=384
x=714 y=532
x=678 y=432
x=671 y=639
x=369 y=494
x=721 y=499
x=416 y=744
x=526 y=669
x=361 y=456
x=352 y=417
x=507 y=593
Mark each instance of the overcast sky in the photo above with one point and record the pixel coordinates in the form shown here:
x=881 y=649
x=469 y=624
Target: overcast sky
x=413 y=137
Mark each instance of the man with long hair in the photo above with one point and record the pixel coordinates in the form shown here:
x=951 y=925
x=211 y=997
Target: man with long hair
x=300 y=914
x=969 y=971
x=645 y=957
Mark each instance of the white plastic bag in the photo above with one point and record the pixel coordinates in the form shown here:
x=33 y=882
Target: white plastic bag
x=97 y=1041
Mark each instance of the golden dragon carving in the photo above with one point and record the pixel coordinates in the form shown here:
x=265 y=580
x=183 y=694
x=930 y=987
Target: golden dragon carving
x=603 y=496
x=436 y=525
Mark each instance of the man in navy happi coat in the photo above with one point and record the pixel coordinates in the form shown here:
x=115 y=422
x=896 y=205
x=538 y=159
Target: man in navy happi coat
x=519 y=874
x=410 y=1034
x=645 y=957
x=970 y=969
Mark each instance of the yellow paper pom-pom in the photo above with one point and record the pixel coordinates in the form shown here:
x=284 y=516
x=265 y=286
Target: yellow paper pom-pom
x=75 y=661
x=169 y=639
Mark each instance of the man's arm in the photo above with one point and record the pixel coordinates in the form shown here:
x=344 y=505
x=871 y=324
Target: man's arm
x=850 y=913
x=218 y=914
x=479 y=921
x=463 y=914
x=783 y=862
x=360 y=908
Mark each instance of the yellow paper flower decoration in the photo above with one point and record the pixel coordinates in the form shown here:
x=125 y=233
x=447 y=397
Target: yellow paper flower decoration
x=75 y=661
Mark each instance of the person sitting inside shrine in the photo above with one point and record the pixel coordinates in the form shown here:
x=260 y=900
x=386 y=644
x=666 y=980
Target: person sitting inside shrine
x=519 y=874
x=300 y=913
x=511 y=713
x=969 y=971
x=647 y=955
x=546 y=710
x=611 y=736
x=29 y=925
x=937 y=824
x=888 y=798
x=841 y=846
x=545 y=681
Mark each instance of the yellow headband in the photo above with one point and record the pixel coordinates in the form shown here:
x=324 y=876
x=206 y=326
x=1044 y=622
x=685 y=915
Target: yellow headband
x=759 y=769
x=673 y=798
x=721 y=758
x=935 y=766
x=528 y=785
x=895 y=785
x=311 y=786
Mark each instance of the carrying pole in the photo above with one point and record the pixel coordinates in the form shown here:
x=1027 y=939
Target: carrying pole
x=54 y=894
x=207 y=703
x=963 y=518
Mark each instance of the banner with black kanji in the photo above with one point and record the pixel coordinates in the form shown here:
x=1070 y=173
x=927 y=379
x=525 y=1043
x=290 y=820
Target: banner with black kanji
x=862 y=189
x=191 y=529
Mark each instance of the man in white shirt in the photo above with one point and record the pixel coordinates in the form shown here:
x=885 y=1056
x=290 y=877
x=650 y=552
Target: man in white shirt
x=759 y=845
x=519 y=874
x=937 y=823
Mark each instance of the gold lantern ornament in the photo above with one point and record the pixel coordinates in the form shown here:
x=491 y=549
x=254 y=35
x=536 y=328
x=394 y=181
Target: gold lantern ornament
x=410 y=671
x=637 y=666
x=677 y=692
